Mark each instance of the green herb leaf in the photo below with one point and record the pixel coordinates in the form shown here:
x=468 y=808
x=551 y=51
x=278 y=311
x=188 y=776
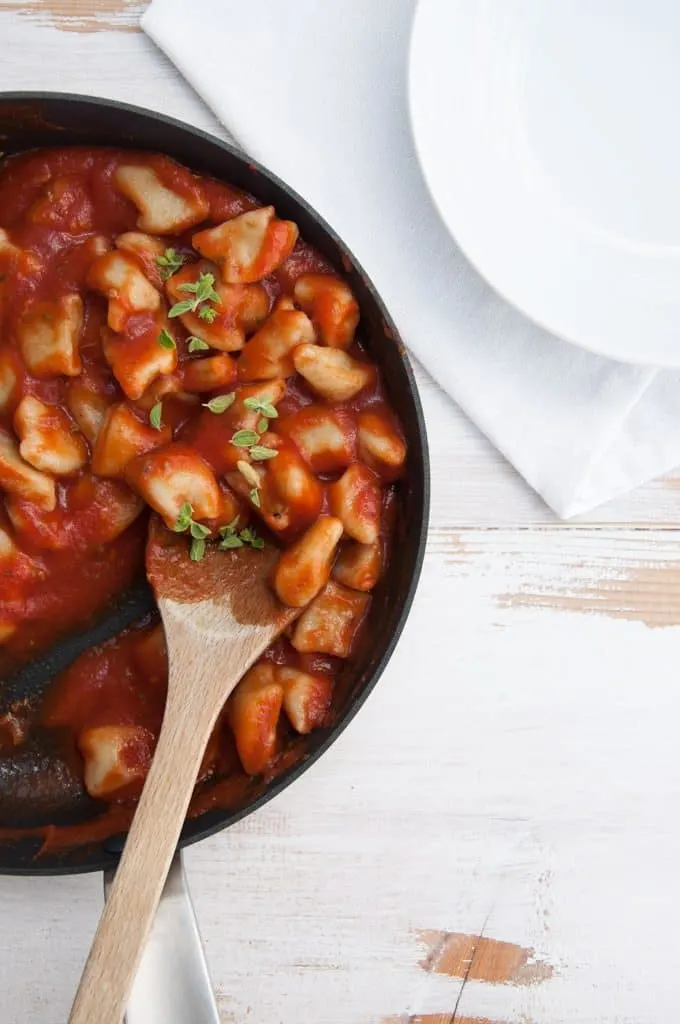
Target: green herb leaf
x=255 y=497
x=221 y=403
x=262 y=425
x=169 y=263
x=262 y=405
x=249 y=536
x=230 y=527
x=155 y=416
x=185 y=306
x=245 y=438
x=259 y=453
x=166 y=340
x=197 y=549
x=183 y=520
x=198 y=531
x=208 y=314
x=230 y=541
x=202 y=288
x=197 y=344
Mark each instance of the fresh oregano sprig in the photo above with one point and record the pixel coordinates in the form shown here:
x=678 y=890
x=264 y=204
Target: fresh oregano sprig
x=202 y=291
x=197 y=531
x=169 y=263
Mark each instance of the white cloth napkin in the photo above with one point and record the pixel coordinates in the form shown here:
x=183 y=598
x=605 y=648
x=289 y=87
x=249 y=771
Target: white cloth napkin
x=317 y=91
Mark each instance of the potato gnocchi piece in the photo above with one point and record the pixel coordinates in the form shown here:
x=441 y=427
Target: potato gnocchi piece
x=163 y=210
x=267 y=505
x=122 y=438
x=358 y=565
x=254 y=711
x=331 y=372
x=325 y=437
x=49 y=333
x=10 y=374
x=380 y=445
x=356 y=500
x=168 y=477
x=232 y=511
x=330 y=623
x=306 y=697
x=248 y=247
x=48 y=439
x=96 y=512
x=118 y=276
x=291 y=480
x=87 y=407
x=209 y=374
x=66 y=205
x=269 y=353
x=136 y=357
x=115 y=757
x=331 y=305
x=146 y=249
x=17 y=477
x=241 y=308
x=304 y=567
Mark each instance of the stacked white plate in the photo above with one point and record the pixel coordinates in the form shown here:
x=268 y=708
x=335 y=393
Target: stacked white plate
x=549 y=135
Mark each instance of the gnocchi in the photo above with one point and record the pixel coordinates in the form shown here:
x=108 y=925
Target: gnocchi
x=136 y=357
x=116 y=757
x=331 y=372
x=248 y=247
x=169 y=477
x=303 y=569
x=123 y=437
x=17 y=477
x=238 y=311
x=270 y=353
x=306 y=697
x=358 y=566
x=118 y=276
x=355 y=499
x=49 y=440
x=332 y=307
x=325 y=437
x=177 y=350
x=254 y=715
x=49 y=335
x=165 y=208
x=329 y=623
x=380 y=445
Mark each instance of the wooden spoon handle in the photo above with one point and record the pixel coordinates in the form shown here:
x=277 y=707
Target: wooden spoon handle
x=124 y=926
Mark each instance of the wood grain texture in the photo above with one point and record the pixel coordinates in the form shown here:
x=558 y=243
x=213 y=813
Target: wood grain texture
x=80 y=15
x=211 y=643
x=513 y=775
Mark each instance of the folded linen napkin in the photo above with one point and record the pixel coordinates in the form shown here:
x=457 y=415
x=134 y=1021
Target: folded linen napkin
x=318 y=92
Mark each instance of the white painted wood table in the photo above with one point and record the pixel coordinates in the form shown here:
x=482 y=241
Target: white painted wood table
x=495 y=839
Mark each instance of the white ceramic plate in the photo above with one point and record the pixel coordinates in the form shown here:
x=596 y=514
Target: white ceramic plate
x=549 y=135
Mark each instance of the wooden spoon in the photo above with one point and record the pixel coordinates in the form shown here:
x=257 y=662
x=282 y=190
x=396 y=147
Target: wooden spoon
x=219 y=616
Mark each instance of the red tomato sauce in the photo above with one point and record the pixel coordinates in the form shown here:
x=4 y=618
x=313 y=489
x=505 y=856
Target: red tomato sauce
x=60 y=209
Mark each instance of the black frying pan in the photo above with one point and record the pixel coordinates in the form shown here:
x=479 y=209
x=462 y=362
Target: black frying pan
x=29 y=780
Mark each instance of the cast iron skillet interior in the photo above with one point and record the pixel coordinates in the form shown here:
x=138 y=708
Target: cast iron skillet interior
x=29 y=120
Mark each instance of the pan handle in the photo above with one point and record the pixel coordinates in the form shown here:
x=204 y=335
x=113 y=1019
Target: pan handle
x=172 y=984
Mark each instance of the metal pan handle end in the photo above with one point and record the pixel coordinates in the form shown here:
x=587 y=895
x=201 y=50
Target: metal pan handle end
x=172 y=984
